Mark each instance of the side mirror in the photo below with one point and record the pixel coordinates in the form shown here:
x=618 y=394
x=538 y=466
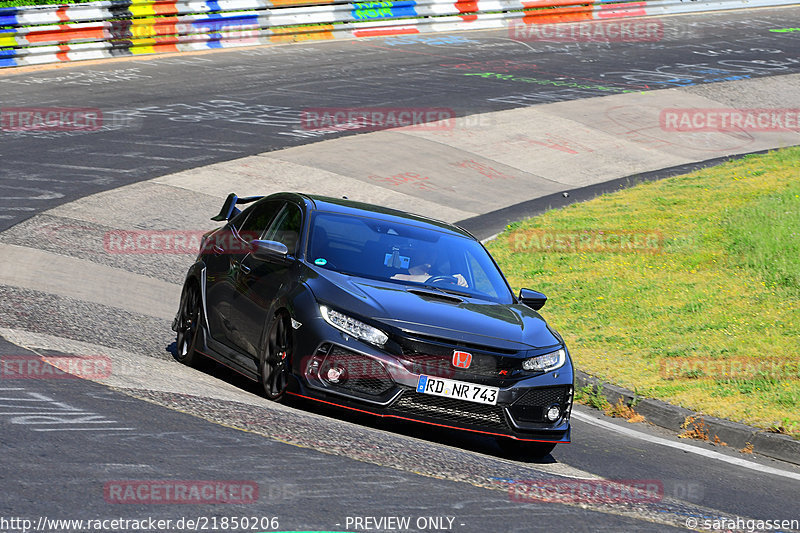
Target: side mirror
x=533 y=299
x=266 y=250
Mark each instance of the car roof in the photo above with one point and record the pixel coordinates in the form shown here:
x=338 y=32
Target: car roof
x=351 y=207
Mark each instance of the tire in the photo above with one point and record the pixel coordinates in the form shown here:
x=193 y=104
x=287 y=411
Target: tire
x=189 y=325
x=275 y=364
x=525 y=450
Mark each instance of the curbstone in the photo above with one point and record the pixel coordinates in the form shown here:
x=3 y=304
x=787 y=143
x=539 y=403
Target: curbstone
x=777 y=446
x=663 y=414
x=733 y=434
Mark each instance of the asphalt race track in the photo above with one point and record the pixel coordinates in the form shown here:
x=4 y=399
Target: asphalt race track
x=178 y=132
x=163 y=115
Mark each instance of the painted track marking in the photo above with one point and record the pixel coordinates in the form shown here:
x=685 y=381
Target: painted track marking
x=685 y=447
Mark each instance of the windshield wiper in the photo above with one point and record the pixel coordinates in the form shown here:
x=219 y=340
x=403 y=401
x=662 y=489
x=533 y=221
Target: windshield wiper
x=449 y=291
x=438 y=295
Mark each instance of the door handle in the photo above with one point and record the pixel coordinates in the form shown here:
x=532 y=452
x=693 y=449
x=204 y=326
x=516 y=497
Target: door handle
x=217 y=250
x=244 y=268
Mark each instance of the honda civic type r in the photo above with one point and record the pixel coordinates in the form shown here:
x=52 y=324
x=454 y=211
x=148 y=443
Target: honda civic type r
x=376 y=310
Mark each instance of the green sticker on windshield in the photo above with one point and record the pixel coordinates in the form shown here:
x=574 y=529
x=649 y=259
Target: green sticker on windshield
x=320 y=261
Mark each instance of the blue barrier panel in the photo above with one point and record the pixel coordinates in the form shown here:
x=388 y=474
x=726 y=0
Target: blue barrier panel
x=7 y=56
x=215 y=23
x=8 y=16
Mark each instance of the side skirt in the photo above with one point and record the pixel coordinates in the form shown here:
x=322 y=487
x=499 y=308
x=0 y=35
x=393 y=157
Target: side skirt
x=219 y=353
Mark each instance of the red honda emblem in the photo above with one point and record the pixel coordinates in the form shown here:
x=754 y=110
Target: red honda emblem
x=462 y=359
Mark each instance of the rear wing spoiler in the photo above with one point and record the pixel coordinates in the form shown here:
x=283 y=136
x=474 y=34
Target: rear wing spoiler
x=229 y=209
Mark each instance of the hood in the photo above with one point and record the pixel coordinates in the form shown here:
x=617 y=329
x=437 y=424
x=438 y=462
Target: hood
x=427 y=312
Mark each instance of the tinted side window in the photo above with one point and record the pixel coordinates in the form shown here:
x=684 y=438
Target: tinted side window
x=237 y=220
x=258 y=220
x=286 y=228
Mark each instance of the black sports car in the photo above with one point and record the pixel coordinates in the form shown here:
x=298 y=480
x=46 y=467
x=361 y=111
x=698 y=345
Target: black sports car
x=376 y=310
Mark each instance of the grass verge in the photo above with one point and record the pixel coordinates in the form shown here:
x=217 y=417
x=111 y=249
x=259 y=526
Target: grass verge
x=20 y=3
x=686 y=289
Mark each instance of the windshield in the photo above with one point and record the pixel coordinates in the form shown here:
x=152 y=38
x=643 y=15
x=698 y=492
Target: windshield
x=401 y=253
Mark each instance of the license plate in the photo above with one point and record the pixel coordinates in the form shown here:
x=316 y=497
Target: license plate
x=459 y=390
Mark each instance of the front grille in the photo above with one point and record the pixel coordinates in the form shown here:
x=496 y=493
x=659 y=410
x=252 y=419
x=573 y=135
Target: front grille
x=437 y=359
x=442 y=366
x=530 y=407
x=464 y=345
x=358 y=373
x=450 y=410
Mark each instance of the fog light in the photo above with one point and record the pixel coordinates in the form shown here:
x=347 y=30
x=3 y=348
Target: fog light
x=335 y=374
x=553 y=412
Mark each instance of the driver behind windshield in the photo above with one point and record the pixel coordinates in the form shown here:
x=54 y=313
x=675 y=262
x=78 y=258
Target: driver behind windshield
x=421 y=268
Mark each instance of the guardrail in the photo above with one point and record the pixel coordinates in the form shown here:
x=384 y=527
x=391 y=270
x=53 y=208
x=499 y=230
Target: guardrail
x=50 y=34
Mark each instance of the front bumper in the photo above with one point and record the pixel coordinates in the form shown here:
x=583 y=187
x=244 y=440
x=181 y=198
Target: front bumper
x=373 y=381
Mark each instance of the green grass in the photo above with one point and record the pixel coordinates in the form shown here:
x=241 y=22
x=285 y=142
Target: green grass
x=591 y=396
x=773 y=250
x=723 y=286
x=15 y=3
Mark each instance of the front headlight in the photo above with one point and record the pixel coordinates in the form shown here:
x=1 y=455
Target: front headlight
x=354 y=327
x=547 y=362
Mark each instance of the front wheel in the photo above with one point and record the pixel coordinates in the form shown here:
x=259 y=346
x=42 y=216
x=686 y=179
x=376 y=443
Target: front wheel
x=188 y=327
x=275 y=362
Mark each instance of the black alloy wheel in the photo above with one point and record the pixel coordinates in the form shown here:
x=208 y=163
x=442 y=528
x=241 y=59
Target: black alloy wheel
x=276 y=360
x=188 y=326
